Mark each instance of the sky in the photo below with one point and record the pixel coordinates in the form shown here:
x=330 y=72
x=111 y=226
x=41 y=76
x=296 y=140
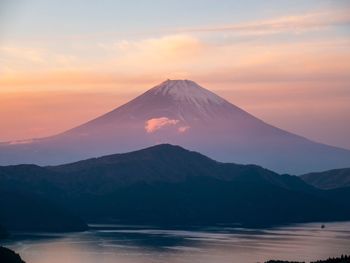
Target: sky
x=64 y=62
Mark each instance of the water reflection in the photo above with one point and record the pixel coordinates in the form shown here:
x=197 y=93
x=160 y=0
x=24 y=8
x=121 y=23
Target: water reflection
x=146 y=244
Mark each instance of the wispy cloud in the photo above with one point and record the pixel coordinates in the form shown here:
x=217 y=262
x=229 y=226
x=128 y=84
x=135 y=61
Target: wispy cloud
x=296 y=23
x=186 y=54
x=160 y=52
x=16 y=58
x=173 y=43
x=29 y=54
x=230 y=62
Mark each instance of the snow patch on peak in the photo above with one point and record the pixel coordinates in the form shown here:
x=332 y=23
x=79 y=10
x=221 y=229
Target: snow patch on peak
x=187 y=90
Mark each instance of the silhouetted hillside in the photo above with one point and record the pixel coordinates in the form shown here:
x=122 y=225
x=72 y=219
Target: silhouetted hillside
x=29 y=212
x=167 y=184
x=331 y=179
x=341 y=259
x=8 y=256
x=339 y=195
x=164 y=163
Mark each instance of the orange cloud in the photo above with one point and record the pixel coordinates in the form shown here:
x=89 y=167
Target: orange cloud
x=255 y=62
x=169 y=45
x=123 y=63
x=157 y=54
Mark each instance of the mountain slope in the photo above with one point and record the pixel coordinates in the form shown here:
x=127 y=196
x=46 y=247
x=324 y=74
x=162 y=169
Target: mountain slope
x=161 y=163
x=167 y=163
x=26 y=204
x=167 y=184
x=9 y=256
x=30 y=212
x=25 y=192
x=183 y=113
x=331 y=179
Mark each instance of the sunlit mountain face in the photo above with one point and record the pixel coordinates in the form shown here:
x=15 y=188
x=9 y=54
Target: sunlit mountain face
x=183 y=113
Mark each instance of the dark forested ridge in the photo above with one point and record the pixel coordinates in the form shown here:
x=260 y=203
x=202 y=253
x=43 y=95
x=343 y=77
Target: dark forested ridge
x=337 y=178
x=25 y=211
x=8 y=256
x=167 y=184
x=25 y=206
x=341 y=259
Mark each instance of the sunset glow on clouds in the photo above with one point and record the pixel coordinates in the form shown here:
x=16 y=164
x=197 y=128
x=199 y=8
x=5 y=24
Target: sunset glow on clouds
x=258 y=59
x=155 y=124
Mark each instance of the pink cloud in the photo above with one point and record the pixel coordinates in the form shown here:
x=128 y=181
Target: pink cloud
x=183 y=129
x=155 y=124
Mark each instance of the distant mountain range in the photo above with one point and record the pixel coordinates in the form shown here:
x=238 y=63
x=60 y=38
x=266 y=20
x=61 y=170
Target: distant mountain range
x=331 y=179
x=167 y=184
x=183 y=113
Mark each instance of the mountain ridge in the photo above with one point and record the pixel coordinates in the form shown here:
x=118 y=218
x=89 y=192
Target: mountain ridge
x=170 y=185
x=331 y=179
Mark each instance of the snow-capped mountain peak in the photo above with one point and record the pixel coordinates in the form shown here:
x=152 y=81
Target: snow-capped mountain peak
x=187 y=90
x=183 y=113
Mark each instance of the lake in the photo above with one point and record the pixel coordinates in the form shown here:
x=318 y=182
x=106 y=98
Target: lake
x=147 y=244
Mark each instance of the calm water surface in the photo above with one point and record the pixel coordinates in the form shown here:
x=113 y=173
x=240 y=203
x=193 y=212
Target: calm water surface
x=146 y=244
